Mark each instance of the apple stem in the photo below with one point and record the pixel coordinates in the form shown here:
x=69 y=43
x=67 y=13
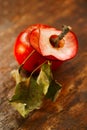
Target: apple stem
x=55 y=40
x=20 y=67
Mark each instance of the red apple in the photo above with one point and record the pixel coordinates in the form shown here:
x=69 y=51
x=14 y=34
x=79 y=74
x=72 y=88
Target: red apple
x=39 y=38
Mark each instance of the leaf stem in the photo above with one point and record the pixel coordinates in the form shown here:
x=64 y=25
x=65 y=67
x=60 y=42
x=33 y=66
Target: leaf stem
x=37 y=68
x=20 y=67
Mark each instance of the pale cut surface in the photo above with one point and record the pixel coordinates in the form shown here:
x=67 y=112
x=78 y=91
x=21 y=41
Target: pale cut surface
x=68 y=51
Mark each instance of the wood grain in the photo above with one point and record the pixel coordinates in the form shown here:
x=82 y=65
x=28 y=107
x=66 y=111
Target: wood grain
x=69 y=112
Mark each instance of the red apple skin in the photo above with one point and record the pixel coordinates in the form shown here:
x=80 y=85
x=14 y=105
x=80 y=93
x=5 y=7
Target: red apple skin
x=56 y=64
x=22 y=49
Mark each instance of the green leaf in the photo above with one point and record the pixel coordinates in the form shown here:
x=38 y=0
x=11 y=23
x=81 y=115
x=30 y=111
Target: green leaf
x=29 y=92
x=18 y=78
x=21 y=92
x=53 y=90
x=27 y=97
x=45 y=77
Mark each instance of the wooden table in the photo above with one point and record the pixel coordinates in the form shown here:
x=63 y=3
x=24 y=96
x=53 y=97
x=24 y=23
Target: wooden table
x=69 y=112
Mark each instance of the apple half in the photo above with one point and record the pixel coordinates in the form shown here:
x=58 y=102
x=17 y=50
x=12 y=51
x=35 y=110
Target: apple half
x=40 y=40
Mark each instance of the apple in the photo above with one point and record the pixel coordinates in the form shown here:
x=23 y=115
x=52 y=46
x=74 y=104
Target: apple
x=39 y=43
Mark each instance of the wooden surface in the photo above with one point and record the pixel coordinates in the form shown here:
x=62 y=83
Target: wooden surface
x=69 y=112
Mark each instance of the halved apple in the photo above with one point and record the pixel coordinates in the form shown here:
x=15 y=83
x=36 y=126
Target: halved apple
x=40 y=41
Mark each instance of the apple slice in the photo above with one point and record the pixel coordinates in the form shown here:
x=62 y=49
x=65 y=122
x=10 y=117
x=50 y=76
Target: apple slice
x=40 y=41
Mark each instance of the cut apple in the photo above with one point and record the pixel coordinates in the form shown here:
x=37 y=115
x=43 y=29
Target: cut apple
x=40 y=41
x=43 y=40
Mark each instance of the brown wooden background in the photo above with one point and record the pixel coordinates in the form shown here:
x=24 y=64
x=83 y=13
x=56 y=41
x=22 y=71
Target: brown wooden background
x=69 y=112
